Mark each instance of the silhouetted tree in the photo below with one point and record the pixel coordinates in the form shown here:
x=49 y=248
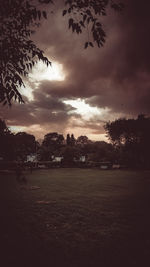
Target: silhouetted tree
x=70 y=153
x=3 y=128
x=6 y=142
x=103 y=151
x=68 y=140
x=18 y=53
x=44 y=153
x=18 y=19
x=132 y=137
x=52 y=142
x=72 y=140
x=24 y=144
x=83 y=140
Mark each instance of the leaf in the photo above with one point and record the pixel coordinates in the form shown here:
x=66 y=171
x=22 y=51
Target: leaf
x=74 y=27
x=11 y=94
x=88 y=12
x=88 y=20
x=39 y=14
x=86 y=45
x=84 y=18
x=91 y=44
x=98 y=24
x=44 y=14
x=64 y=12
x=70 y=22
x=34 y=14
x=5 y=102
x=82 y=24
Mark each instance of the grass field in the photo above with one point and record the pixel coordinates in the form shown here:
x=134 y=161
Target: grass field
x=76 y=217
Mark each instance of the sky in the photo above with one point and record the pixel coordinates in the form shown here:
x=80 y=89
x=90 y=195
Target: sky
x=85 y=88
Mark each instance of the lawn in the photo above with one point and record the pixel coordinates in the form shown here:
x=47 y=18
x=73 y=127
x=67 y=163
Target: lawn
x=74 y=218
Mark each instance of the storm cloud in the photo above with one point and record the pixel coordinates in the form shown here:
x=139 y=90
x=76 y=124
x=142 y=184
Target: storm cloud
x=115 y=78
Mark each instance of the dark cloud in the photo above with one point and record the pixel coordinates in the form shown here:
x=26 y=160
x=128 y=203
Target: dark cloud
x=44 y=109
x=116 y=77
x=42 y=100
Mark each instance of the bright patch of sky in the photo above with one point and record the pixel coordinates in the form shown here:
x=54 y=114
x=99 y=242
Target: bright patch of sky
x=98 y=137
x=27 y=91
x=52 y=73
x=39 y=73
x=16 y=129
x=83 y=108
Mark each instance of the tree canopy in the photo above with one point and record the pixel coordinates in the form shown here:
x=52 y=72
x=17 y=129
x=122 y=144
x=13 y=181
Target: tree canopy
x=19 y=19
x=6 y=141
x=132 y=137
x=25 y=144
x=53 y=141
x=130 y=144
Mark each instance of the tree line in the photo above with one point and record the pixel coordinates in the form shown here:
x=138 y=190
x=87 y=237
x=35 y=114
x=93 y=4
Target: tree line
x=18 y=146
x=129 y=144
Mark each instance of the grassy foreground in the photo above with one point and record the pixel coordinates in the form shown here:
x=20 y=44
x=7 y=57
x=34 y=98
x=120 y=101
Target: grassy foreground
x=75 y=217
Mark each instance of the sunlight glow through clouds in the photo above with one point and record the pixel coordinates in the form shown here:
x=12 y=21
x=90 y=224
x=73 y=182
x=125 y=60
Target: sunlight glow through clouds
x=42 y=72
x=27 y=91
x=83 y=108
x=35 y=129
